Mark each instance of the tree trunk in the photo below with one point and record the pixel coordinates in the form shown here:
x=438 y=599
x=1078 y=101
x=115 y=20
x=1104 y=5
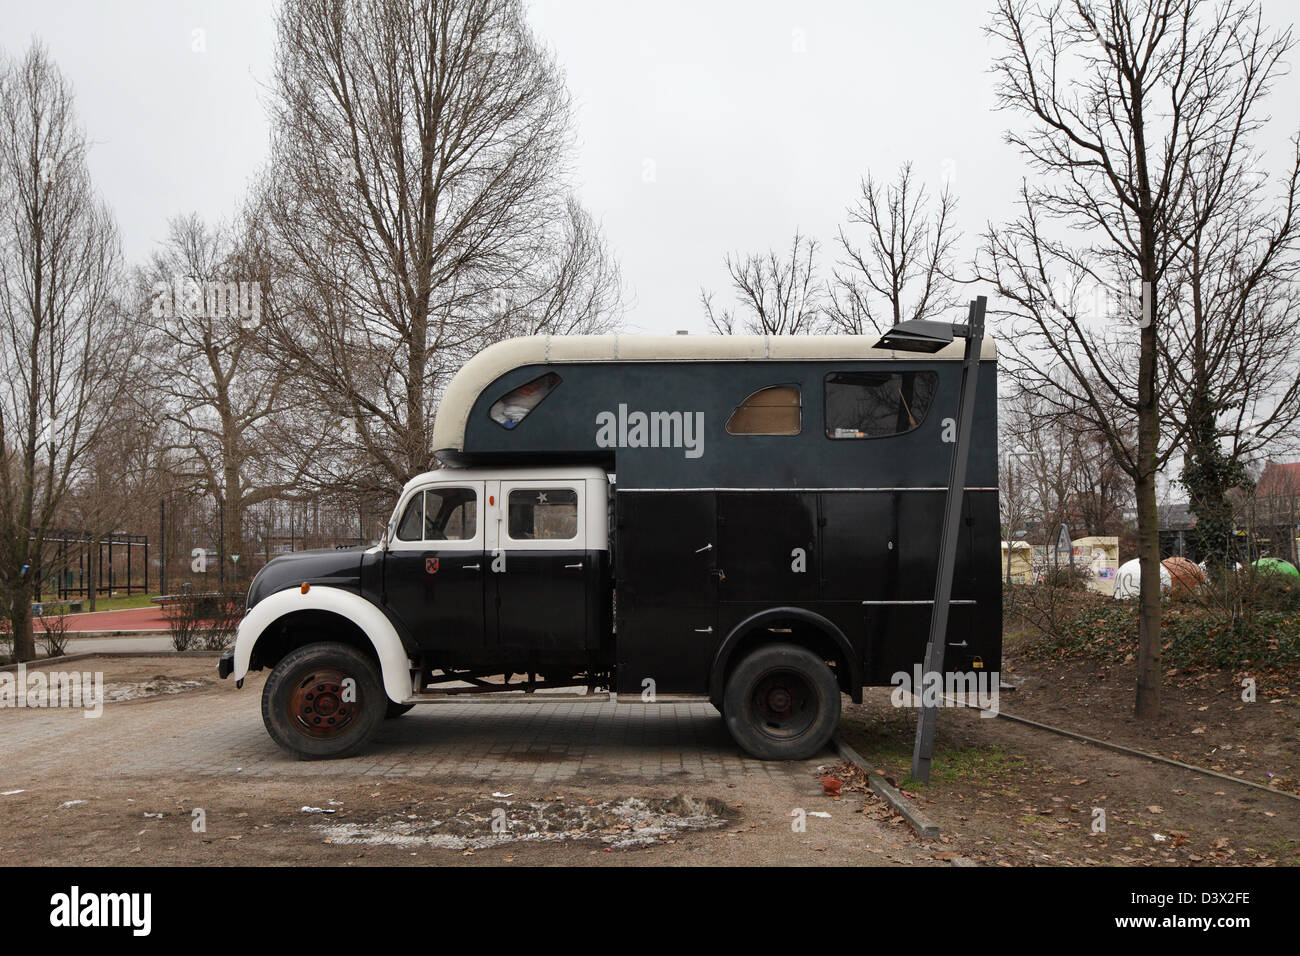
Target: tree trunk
x=1148 y=674
x=21 y=620
x=1147 y=704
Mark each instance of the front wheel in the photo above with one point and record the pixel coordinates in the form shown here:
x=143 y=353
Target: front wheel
x=781 y=703
x=323 y=700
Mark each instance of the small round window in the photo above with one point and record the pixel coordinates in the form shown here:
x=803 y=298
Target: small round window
x=513 y=407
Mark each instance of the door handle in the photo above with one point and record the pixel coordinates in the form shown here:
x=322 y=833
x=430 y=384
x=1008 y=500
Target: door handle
x=704 y=630
x=578 y=565
x=707 y=547
x=469 y=567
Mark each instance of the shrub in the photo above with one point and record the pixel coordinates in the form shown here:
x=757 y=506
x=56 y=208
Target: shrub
x=204 y=621
x=55 y=636
x=1191 y=637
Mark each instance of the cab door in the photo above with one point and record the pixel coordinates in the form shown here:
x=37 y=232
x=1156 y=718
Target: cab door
x=541 y=570
x=434 y=567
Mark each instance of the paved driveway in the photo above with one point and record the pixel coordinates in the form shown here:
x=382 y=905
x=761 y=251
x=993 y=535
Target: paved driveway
x=218 y=730
x=121 y=788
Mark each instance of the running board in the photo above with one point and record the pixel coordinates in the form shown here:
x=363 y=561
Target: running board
x=504 y=697
x=469 y=696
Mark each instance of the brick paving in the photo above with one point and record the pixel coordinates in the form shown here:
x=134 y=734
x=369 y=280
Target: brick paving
x=218 y=731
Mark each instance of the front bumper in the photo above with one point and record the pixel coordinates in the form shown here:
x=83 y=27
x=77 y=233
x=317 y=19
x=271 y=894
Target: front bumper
x=226 y=664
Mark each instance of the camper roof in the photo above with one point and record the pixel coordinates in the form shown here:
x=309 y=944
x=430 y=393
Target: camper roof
x=495 y=360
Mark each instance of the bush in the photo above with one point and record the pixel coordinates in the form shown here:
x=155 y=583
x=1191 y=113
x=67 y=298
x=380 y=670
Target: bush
x=55 y=636
x=204 y=621
x=1068 y=578
x=1191 y=637
x=1046 y=610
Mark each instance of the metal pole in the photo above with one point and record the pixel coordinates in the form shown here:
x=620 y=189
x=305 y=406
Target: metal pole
x=162 y=545
x=934 y=649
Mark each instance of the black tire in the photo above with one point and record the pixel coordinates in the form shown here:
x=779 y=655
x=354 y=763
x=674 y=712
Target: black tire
x=781 y=703
x=396 y=710
x=306 y=706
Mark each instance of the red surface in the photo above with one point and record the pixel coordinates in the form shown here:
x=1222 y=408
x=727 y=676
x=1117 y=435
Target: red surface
x=132 y=619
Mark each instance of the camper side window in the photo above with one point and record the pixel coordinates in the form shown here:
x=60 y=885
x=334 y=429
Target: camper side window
x=775 y=410
x=877 y=404
x=514 y=406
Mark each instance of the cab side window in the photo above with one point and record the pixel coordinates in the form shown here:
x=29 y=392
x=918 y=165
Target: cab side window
x=545 y=514
x=408 y=529
x=448 y=514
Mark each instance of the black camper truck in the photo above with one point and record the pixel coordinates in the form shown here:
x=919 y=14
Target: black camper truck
x=750 y=519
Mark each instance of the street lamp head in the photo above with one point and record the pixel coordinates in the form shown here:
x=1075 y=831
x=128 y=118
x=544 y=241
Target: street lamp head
x=917 y=335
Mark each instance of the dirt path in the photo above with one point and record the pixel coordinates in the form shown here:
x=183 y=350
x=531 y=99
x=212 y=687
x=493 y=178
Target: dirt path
x=1010 y=795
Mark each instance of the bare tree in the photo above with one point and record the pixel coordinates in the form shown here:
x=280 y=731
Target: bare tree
x=1120 y=98
x=1233 y=346
x=239 y=423
x=905 y=269
x=415 y=206
x=63 y=339
x=775 y=294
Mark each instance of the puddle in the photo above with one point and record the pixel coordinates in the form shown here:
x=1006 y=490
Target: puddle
x=621 y=823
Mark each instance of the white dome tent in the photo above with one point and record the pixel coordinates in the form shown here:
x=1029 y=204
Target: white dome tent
x=1128 y=577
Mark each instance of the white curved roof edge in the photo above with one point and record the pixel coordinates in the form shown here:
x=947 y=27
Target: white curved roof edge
x=495 y=360
x=513 y=473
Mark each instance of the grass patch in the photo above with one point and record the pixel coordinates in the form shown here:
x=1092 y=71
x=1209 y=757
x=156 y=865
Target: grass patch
x=886 y=744
x=120 y=603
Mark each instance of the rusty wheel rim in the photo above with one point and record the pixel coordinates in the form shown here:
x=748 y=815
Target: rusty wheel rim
x=785 y=704
x=324 y=702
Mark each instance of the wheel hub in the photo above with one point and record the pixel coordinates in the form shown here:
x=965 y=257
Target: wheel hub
x=783 y=700
x=325 y=702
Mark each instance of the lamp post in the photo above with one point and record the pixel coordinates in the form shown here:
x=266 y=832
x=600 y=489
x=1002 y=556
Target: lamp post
x=921 y=335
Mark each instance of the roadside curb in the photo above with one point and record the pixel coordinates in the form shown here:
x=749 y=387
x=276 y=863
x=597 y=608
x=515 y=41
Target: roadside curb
x=925 y=828
x=70 y=658
x=92 y=635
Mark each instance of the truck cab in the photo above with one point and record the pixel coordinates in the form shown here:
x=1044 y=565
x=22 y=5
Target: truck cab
x=482 y=563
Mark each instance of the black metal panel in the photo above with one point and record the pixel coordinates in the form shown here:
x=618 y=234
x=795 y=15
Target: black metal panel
x=667 y=548
x=437 y=594
x=666 y=591
x=767 y=547
x=544 y=599
x=860 y=545
x=565 y=427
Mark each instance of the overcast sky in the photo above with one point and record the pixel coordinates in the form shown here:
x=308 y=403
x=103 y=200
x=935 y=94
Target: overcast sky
x=749 y=119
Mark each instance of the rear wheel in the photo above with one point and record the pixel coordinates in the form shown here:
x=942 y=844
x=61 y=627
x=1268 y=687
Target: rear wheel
x=781 y=703
x=323 y=700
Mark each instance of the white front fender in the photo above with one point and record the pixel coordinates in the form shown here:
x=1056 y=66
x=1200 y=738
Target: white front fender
x=393 y=660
